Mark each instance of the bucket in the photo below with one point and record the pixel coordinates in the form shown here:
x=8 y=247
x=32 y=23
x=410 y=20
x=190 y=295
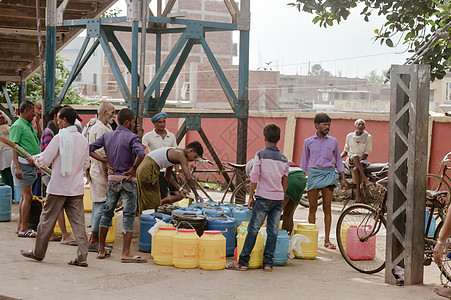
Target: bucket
x=5 y=203
x=167 y=209
x=35 y=213
x=310 y=246
x=226 y=225
x=145 y=223
x=57 y=229
x=185 y=249
x=344 y=230
x=356 y=249
x=282 y=245
x=241 y=214
x=87 y=200
x=243 y=224
x=111 y=235
x=431 y=231
x=190 y=220
x=185 y=210
x=162 y=246
x=256 y=256
x=212 y=250
x=217 y=211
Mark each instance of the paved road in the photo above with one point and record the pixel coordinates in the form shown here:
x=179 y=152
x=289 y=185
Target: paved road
x=327 y=277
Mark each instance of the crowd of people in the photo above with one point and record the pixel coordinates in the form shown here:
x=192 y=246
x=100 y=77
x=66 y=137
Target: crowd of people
x=115 y=164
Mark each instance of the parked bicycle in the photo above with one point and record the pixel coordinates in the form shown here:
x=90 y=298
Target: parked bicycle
x=366 y=224
x=442 y=180
x=235 y=191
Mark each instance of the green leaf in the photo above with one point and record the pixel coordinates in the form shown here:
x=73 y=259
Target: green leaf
x=389 y=42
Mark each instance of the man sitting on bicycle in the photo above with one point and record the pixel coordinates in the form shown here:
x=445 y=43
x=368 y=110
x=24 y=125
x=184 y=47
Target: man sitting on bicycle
x=358 y=147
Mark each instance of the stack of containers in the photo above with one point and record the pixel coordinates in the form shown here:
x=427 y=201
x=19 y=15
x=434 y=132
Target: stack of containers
x=185 y=249
x=146 y=222
x=226 y=226
x=212 y=250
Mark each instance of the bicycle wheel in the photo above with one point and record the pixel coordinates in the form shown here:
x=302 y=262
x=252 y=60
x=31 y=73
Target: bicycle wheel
x=241 y=193
x=361 y=238
x=436 y=183
x=304 y=199
x=445 y=268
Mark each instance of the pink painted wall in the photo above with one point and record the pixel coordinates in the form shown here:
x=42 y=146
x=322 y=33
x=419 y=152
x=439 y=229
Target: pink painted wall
x=222 y=134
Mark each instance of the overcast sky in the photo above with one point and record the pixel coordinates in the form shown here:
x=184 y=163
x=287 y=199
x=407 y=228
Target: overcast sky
x=288 y=38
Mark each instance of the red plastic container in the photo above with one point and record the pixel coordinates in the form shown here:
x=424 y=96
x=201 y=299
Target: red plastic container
x=357 y=250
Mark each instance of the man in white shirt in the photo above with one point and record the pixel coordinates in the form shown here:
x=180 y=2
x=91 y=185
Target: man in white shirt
x=359 y=145
x=98 y=171
x=68 y=154
x=160 y=137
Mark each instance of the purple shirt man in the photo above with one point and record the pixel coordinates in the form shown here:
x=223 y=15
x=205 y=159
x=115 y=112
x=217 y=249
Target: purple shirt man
x=117 y=145
x=320 y=157
x=321 y=153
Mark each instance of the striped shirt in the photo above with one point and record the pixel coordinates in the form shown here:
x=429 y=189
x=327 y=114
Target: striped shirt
x=270 y=165
x=46 y=137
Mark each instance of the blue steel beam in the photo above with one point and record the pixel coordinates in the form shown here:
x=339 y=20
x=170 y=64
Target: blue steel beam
x=81 y=23
x=22 y=92
x=163 y=69
x=243 y=76
x=8 y=99
x=230 y=94
x=159 y=30
x=50 y=67
x=134 y=66
x=157 y=62
x=175 y=73
x=120 y=50
x=72 y=75
x=115 y=68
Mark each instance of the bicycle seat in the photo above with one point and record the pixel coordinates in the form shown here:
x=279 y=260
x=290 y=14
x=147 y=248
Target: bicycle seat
x=374 y=168
x=237 y=166
x=434 y=194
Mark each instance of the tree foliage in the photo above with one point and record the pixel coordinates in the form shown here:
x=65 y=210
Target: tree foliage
x=34 y=94
x=422 y=25
x=317 y=70
x=375 y=78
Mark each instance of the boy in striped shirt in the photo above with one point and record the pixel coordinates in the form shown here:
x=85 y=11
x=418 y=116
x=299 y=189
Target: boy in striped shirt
x=270 y=176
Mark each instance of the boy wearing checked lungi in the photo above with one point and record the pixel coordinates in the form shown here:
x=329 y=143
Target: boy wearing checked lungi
x=320 y=157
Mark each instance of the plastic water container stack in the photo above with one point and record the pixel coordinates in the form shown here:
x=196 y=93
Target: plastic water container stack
x=5 y=203
x=147 y=221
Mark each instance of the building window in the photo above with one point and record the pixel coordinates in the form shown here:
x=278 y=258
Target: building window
x=448 y=91
x=94 y=82
x=345 y=96
x=78 y=78
x=290 y=89
x=431 y=95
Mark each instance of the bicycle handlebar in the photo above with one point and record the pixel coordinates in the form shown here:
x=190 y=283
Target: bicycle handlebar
x=447 y=157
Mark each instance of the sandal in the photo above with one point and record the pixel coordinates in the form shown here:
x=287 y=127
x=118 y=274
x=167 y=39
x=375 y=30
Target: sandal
x=329 y=245
x=69 y=243
x=29 y=254
x=77 y=263
x=267 y=268
x=107 y=254
x=134 y=259
x=29 y=234
x=237 y=266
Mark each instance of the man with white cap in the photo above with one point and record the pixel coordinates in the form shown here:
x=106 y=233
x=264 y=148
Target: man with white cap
x=160 y=137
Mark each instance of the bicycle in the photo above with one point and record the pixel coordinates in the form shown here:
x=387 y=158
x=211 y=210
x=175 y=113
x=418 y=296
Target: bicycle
x=240 y=192
x=367 y=224
x=441 y=180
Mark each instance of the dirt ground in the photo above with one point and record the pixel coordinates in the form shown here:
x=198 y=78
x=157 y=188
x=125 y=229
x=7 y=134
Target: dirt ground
x=327 y=277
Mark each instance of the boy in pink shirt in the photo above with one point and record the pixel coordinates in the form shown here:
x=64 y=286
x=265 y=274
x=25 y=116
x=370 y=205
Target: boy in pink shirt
x=270 y=176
